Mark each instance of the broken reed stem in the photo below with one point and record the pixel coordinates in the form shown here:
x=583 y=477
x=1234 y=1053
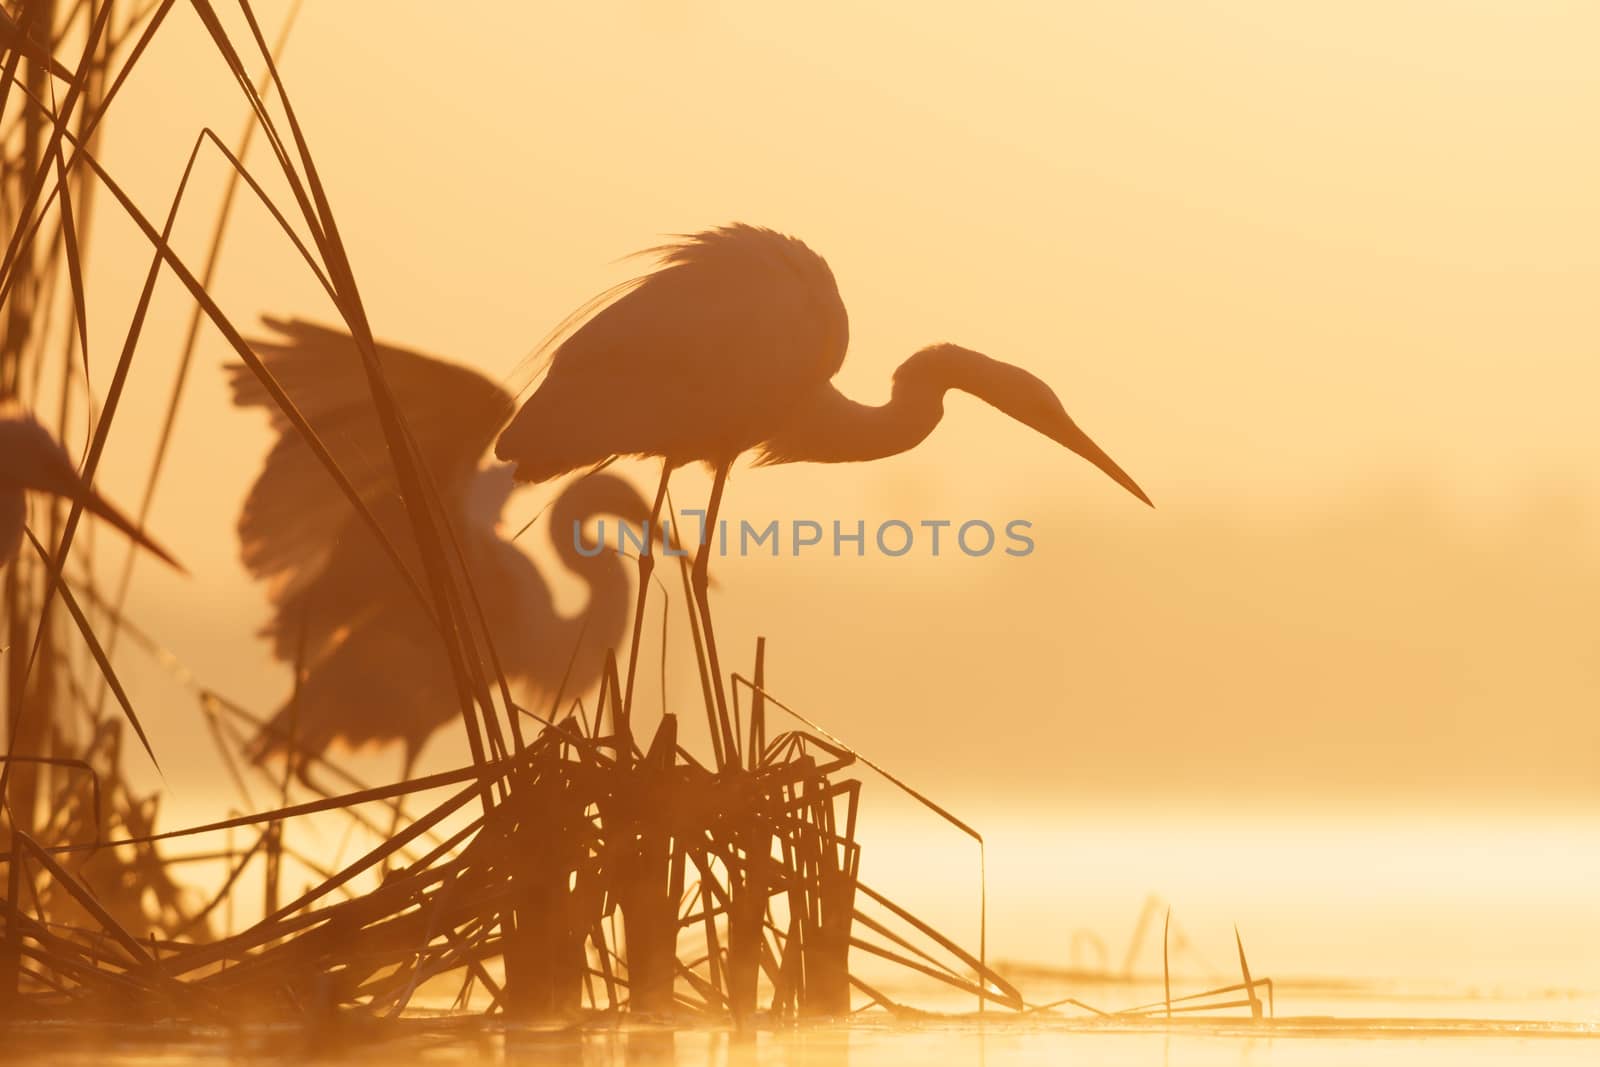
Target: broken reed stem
x=1166 y=969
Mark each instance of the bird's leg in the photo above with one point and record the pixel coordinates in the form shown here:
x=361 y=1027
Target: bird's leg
x=647 y=563
x=701 y=585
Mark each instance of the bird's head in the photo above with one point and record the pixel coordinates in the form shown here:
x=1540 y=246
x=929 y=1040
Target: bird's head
x=1016 y=392
x=31 y=459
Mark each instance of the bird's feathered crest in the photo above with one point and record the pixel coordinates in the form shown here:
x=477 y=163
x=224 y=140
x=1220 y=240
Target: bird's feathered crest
x=737 y=243
x=737 y=246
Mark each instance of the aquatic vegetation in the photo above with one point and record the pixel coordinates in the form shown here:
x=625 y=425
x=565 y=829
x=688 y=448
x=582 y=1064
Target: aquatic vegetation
x=599 y=872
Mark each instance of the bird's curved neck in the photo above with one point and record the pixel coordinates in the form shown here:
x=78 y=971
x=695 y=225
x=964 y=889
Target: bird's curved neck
x=871 y=431
x=829 y=427
x=605 y=614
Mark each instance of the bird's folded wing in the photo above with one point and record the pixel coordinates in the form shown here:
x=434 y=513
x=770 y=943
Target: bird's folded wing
x=692 y=361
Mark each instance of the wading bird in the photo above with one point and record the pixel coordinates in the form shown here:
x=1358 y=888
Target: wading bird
x=31 y=459
x=731 y=345
x=373 y=667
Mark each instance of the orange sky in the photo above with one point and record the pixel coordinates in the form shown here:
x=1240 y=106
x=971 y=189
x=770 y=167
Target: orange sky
x=1322 y=282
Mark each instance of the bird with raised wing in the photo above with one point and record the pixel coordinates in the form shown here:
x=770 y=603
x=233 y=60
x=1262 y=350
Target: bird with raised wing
x=373 y=666
x=31 y=460
x=730 y=346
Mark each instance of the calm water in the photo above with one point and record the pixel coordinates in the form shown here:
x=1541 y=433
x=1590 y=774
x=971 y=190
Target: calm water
x=1317 y=1023
x=951 y=1039
x=1450 y=942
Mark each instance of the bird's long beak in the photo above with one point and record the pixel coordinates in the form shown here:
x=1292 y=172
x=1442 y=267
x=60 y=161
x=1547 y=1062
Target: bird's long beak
x=32 y=460
x=98 y=505
x=1068 y=434
x=66 y=484
x=1028 y=399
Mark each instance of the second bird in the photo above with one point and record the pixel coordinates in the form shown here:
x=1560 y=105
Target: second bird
x=373 y=666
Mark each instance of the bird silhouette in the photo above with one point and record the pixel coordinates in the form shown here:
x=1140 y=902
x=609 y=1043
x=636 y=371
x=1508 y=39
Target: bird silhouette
x=729 y=346
x=32 y=460
x=373 y=668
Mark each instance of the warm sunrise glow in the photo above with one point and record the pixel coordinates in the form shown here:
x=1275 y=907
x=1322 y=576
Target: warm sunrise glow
x=1317 y=281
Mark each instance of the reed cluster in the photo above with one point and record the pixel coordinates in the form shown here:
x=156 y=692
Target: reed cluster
x=583 y=862
x=595 y=873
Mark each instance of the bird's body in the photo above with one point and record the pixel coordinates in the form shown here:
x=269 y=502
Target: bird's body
x=699 y=362
x=31 y=460
x=729 y=346
x=373 y=667
x=382 y=674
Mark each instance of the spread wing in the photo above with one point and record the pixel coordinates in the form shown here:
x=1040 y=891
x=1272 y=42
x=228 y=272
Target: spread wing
x=298 y=531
